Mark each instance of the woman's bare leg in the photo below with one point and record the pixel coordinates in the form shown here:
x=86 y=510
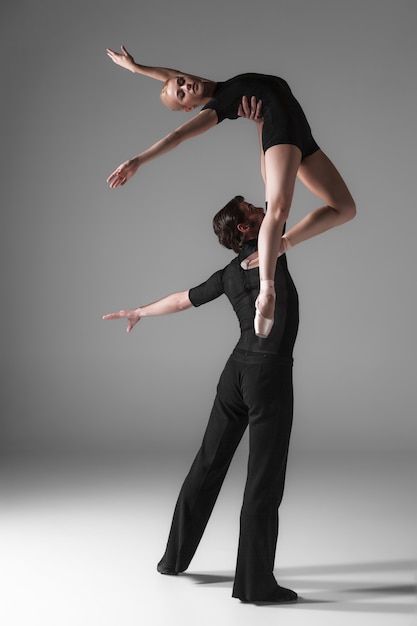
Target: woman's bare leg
x=281 y=166
x=321 y=177
x=252 y=260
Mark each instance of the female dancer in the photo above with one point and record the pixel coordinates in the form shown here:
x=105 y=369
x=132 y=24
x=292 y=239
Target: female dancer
x=289 y=151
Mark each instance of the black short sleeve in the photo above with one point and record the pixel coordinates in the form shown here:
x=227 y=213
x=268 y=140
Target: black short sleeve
x=211 y=289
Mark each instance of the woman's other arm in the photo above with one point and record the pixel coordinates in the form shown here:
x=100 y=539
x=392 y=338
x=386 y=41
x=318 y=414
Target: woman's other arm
x=126 y=60
x=202 y=122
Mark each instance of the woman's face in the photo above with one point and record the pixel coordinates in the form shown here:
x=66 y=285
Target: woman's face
x=185 y=91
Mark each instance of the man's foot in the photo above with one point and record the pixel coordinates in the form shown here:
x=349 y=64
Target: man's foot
x=163 y=568
x=280 y=595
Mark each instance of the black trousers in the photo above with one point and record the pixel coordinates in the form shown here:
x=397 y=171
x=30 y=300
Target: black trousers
x=254 y=391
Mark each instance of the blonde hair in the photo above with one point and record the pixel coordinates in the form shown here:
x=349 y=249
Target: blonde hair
x=170 y=104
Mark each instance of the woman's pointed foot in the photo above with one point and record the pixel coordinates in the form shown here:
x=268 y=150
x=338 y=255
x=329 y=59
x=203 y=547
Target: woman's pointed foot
x=264 y=309
x=250 y=262
x=263 y=325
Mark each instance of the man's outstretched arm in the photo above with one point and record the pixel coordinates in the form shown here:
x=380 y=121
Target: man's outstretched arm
x=174 y=303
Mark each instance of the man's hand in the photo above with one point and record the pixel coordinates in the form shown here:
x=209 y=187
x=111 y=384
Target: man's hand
x=124 y=60
x=133 y=315
x=252 y=111
x=121 y=175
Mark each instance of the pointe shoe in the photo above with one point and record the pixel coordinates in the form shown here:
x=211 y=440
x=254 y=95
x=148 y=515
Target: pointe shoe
x=263 y=324
x=250 y=262
x=284 y=246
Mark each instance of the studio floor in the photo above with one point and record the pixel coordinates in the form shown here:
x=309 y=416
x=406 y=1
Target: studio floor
x=79 y=543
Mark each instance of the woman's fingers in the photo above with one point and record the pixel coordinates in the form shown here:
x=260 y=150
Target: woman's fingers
x=116 y=178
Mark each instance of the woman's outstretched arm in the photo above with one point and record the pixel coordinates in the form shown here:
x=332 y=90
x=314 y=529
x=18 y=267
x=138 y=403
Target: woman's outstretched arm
x=126 y=60
x=202 y=122
x=174 y=303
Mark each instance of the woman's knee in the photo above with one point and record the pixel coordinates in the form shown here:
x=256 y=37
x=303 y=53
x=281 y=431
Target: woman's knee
x=278 y=207
x=351 y=210
x=347 y=209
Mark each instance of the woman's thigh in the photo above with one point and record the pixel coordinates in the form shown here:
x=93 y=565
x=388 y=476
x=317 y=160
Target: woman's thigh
x=320 y=176
x=282 y=163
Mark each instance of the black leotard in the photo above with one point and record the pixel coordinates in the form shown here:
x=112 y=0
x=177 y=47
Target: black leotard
x=284 y=119
x=241 y=287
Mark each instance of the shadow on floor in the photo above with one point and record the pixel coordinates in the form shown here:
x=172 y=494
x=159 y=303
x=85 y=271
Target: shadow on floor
x=325 y=588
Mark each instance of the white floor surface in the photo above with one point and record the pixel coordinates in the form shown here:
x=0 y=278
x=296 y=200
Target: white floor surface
x=79 y=545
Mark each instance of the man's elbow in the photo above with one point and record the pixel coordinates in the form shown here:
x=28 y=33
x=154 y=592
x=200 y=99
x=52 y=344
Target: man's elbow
x=184 y=302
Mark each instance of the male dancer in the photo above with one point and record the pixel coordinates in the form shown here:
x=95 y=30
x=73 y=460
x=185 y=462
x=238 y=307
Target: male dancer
x=255 y=391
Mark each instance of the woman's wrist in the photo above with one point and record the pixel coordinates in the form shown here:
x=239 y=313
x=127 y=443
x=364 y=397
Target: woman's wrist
x=137 y=160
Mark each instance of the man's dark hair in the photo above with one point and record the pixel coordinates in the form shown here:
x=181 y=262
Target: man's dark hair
x=225 y=224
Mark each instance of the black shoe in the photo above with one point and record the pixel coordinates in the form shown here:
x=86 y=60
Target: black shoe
x=280 y=595
x=163 y=568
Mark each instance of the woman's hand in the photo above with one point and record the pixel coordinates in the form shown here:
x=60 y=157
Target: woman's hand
x=124 y=60
x=121 y=175
x=133 y=315
x=252 y=111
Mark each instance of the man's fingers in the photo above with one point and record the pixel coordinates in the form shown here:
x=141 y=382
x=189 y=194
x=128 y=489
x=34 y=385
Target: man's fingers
x=252 y=109
x=255 y=107
x=245 y=105
x=114 y=316
x=129 y=314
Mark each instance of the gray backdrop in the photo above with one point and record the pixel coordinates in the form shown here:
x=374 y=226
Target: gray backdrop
x=72 y=249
